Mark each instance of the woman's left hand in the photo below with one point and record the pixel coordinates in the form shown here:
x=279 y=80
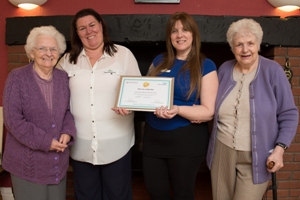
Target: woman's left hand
x=276 y=157
x=165 y=113
x=61 y=144
x=122 y=111
x=64 y=138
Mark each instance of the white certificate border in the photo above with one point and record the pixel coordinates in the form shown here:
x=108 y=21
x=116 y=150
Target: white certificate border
x=168 y=80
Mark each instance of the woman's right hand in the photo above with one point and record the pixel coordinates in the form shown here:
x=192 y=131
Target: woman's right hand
x=196 y=121
x=57 y=146
x=165 y=113
x=277 y=158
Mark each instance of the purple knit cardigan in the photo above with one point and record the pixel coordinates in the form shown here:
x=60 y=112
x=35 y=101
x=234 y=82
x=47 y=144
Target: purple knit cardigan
x=31 y=127
x=273 y=113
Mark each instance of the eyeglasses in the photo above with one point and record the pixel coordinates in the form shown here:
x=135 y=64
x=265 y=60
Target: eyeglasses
x=53 y=50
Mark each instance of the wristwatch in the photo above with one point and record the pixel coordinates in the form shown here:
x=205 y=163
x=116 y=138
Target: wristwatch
x=282 y=145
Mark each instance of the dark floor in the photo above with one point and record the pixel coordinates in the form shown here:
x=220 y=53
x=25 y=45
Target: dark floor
x=202 y=189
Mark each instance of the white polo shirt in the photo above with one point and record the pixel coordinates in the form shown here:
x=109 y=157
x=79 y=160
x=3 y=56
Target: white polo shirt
x=102 y=135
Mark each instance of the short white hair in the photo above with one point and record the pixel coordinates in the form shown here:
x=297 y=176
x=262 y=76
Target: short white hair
x=244 y=26
x=45 y=30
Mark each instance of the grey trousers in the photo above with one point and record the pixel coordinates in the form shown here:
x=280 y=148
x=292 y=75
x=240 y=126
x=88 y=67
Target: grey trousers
x=26 y=190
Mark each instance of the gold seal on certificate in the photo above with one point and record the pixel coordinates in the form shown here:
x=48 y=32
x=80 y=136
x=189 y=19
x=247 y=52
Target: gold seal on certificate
x=143 y=93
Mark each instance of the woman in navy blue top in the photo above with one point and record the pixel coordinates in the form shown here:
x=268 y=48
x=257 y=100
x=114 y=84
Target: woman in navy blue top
x=176 y=139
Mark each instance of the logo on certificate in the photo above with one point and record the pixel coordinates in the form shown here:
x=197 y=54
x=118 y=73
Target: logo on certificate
x=146 y=84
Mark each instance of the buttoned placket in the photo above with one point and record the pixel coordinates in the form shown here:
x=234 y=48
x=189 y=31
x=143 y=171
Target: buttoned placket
x=56 y=158
x=93 y=116
x=56 y=167
x=237 y=110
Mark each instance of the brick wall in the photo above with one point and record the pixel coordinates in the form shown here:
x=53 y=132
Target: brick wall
x=16 y=57
x=288 y=178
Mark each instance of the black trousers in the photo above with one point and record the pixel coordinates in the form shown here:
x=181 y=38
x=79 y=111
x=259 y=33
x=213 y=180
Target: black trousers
x=171 y=161
x=103 y=182
x=171 y=178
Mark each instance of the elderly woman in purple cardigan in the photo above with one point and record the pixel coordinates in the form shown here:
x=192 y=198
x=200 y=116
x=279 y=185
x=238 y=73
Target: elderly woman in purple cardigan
x=255 y=119
x=39 y=123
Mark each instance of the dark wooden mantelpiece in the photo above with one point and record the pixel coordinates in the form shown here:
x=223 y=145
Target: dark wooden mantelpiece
x=151 y=28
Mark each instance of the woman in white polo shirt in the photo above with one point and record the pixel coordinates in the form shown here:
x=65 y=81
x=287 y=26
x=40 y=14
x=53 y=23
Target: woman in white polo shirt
x=101 y=155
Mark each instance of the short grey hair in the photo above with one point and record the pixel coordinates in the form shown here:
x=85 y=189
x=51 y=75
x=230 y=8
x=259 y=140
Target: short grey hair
x=244 y=26
x=45 y=30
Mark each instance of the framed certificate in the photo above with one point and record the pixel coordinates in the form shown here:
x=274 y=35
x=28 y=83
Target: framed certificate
x=143 y=93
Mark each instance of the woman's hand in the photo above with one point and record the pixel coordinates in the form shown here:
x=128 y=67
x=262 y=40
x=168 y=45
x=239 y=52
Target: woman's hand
x=165 y=113
x=276 y=157
x=122 y=111
x=62 y=144
x=57 y=146
x=64 y=138
x=196 y=121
